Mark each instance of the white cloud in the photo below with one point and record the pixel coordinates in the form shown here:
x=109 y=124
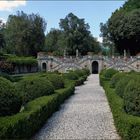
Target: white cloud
x=9 y=5
x=3 y=20
x=100 y=39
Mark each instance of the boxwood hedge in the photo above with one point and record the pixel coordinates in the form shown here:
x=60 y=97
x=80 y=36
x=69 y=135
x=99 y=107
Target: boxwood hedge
x=10 y=102
x=25 y=124
x=56 y=80
x=127 y=125
x=132 y=98
x=34 y=87
x=109 y=73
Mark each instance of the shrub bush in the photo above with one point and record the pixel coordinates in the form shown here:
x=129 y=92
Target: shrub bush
x=80 y=72
x=80 y=81
x=10 y=77
x=10 y=103
x=102 y=71
x=87 y=71
x=127 y=125
x=34 y=87
x=116 y=78
x=56 y=80
x=24 y=124
x=121 y=85
x=71 y=75
x=7 y=76
x=109 y=73
x=132 y=98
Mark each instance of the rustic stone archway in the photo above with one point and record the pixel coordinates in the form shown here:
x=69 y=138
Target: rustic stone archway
x=95 y=67
x=44 y=66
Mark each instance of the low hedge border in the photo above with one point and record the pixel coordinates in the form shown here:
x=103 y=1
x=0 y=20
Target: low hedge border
x=26 y=123
x=35 y=113
x=127 y=125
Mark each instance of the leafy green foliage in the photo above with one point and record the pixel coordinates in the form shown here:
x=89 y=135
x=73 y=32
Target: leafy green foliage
x=132 y=98
x=25 y=34
x=10 y=77
x=55 y=42
x=131 y=5
x=2 y=39
x=21 y=60
x=71 y=75
x=121 y=85
x=10 y=103
x=128 y=126
x=81 y=80
x=34 y=87
x=109 y=73
x=77 y=35
x=56 y=80
x=116 y=78
x=80 y=72
x=123 y=27
x=24 y=125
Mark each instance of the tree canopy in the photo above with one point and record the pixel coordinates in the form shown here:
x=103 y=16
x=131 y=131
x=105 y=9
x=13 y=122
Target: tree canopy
x=25 y=34
x=2 y=40
x=55 y=42
x=123 y=28
x=77 y=35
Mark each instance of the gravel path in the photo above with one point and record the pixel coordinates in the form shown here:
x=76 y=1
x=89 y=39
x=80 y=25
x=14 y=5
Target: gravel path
x=85 y=115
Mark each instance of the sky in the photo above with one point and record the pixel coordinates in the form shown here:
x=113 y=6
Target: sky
x=94 y=12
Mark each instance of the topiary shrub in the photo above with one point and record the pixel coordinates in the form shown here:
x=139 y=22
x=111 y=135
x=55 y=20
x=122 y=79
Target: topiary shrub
x=7 y=76
x=10 y=102
x=102 y=71
x=121 y=85
x=34 y=87
x=71 y=75
x=80 y=72
x=132 y=98
x=10 y=77
x=116 y=78
x=109 y=73
x=87 y=71
x=56 y=80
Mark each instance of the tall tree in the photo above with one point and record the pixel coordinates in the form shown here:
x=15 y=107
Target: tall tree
x=77 y=34
x=123 y=28
x=2 y=39
x=25 y=33
x=55 y=41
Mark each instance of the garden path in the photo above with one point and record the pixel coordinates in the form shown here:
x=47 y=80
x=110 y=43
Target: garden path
x=85 y=115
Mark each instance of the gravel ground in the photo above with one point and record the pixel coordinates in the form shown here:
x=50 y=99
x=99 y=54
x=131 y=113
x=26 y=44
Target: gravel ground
x=85 y=115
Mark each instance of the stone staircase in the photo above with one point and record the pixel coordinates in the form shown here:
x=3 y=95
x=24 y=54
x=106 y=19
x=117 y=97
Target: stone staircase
x=67 y=64
x=71 y=63
x=123 y=63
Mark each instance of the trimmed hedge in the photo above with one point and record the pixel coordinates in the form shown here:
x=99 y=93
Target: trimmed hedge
x=80 y=72
x=109 y=73
x=34 y=87
x=21 y=60
x=121 y=85
x=116 y=78
x=56 y=80
x=80 y=81
x=127 y=125
x=10 y=103
x=10 y=77
x=35 y=113
x=71 y=75
x=132 y=98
